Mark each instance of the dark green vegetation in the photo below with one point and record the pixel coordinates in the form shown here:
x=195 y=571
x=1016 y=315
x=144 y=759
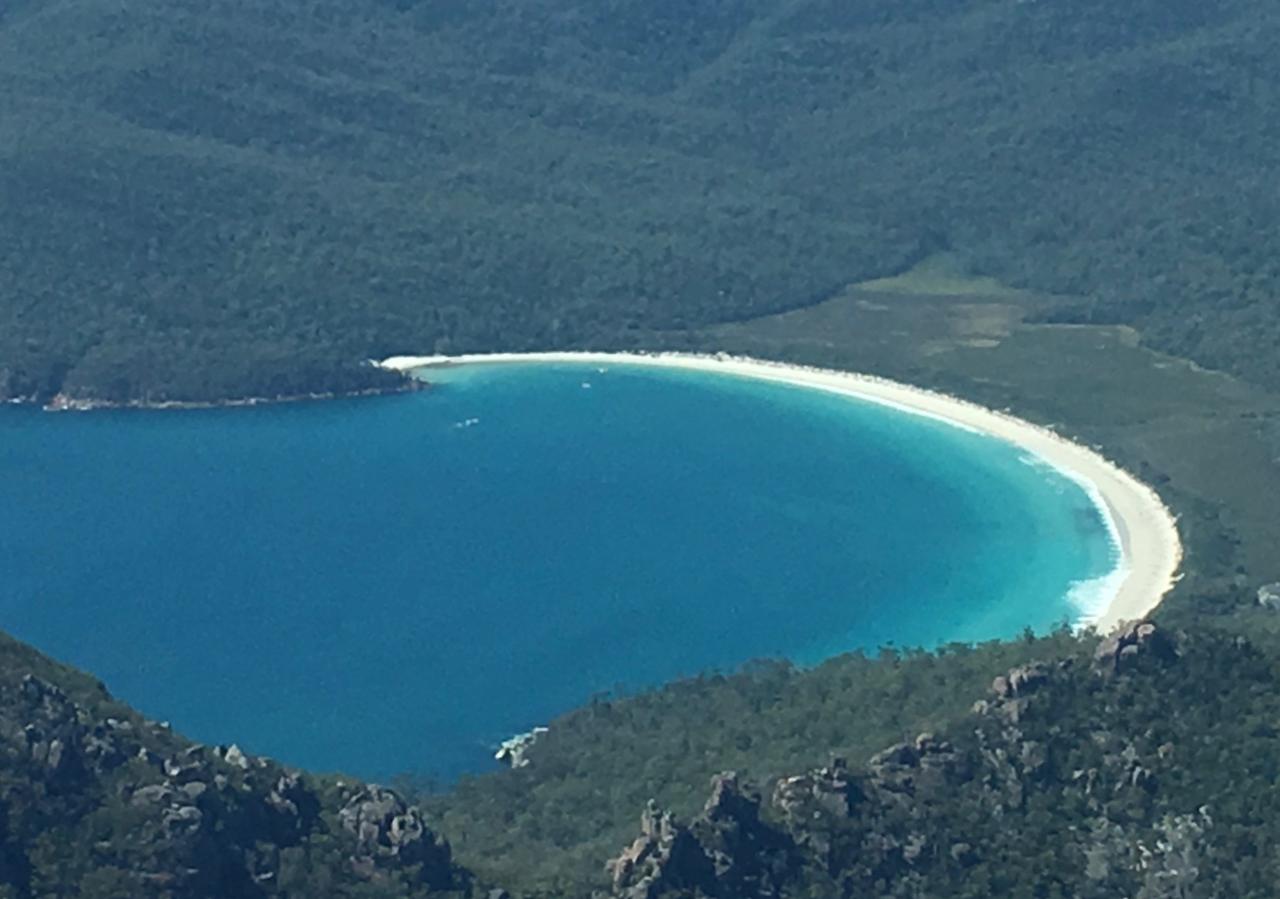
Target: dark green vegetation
x=552 y=823
x=1070 y=779
x=214 y=200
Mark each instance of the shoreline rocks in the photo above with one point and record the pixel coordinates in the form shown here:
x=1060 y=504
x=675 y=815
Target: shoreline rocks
x=515 y=751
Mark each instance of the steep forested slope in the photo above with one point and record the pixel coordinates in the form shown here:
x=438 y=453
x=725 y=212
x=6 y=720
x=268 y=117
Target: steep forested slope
x=209 y=200
x=1142 y=765
x=1067 y=780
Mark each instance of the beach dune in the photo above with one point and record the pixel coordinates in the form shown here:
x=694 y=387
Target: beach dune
x=1143 y=529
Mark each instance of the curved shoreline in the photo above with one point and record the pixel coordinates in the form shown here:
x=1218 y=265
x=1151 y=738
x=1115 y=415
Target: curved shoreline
x=1142 y=528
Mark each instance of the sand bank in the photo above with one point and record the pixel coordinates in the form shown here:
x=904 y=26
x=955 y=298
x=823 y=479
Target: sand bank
x=1142 y=527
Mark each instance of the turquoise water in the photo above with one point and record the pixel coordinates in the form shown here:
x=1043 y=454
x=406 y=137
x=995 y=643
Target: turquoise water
x=390 y=585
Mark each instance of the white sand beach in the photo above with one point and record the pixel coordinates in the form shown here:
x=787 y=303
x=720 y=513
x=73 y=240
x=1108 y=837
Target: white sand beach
x=1143 y=528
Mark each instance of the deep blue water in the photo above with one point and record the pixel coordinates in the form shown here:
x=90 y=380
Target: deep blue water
x=397 y=584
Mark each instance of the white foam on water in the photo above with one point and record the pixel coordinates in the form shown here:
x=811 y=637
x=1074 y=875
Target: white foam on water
x=1092 y=597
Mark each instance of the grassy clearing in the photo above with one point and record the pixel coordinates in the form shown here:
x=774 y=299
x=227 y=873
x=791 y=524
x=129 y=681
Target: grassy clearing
x=942 y=274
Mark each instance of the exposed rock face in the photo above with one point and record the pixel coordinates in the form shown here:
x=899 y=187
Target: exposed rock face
x=750 y=858
x=48 y=736
x=234 y=755
x=726 y=852
x=109 y=743
x=824 y=791
x=201 y=821
x=175 y=812
x=46 y=733
x=225 y=834
x=390 y=833
x=1132 y=644
x=665 y=859
x=891 y=823
x=1021 y=681
x=296 y=808
x=1011 y=692
x=62 y=748
x=920 y=766
x=811 y=805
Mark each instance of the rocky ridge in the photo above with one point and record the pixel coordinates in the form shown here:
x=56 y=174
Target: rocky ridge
x=891 y=827
x=125 y=799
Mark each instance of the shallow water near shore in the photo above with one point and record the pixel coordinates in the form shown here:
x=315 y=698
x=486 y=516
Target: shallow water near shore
x=397 y=584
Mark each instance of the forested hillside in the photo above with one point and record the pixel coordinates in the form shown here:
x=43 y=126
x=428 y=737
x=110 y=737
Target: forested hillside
x=221 y=199
x=1142 y=765
x=1099 y=780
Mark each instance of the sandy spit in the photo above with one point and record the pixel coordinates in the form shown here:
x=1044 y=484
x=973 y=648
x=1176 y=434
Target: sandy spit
x=1142 y=527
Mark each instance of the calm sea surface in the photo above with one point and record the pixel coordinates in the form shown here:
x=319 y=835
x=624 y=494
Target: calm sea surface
x=397 y=584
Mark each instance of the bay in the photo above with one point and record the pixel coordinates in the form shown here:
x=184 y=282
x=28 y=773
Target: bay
x=397 y=584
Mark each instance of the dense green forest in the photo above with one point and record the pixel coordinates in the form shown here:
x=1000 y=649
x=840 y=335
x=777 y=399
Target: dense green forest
x=216 y=200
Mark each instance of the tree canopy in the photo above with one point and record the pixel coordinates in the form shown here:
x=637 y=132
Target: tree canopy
x=217 y=200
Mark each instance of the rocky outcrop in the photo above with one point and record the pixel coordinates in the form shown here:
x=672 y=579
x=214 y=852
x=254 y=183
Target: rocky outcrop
x=826 y=819
x=727 y=851
x=666 y=859
x=827 y=791
x=43 y=732
x=1021 y=681
x=515 y=751
x=921 y=766
x=389 y=834
x=59 y=744
x=1132 y=645
x=749 y=857
x=186 y=827
x=294 y=805
x=213 y=830
x=894 y=821
x=811 y=807
x=1012 y=691
x=195 y=821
